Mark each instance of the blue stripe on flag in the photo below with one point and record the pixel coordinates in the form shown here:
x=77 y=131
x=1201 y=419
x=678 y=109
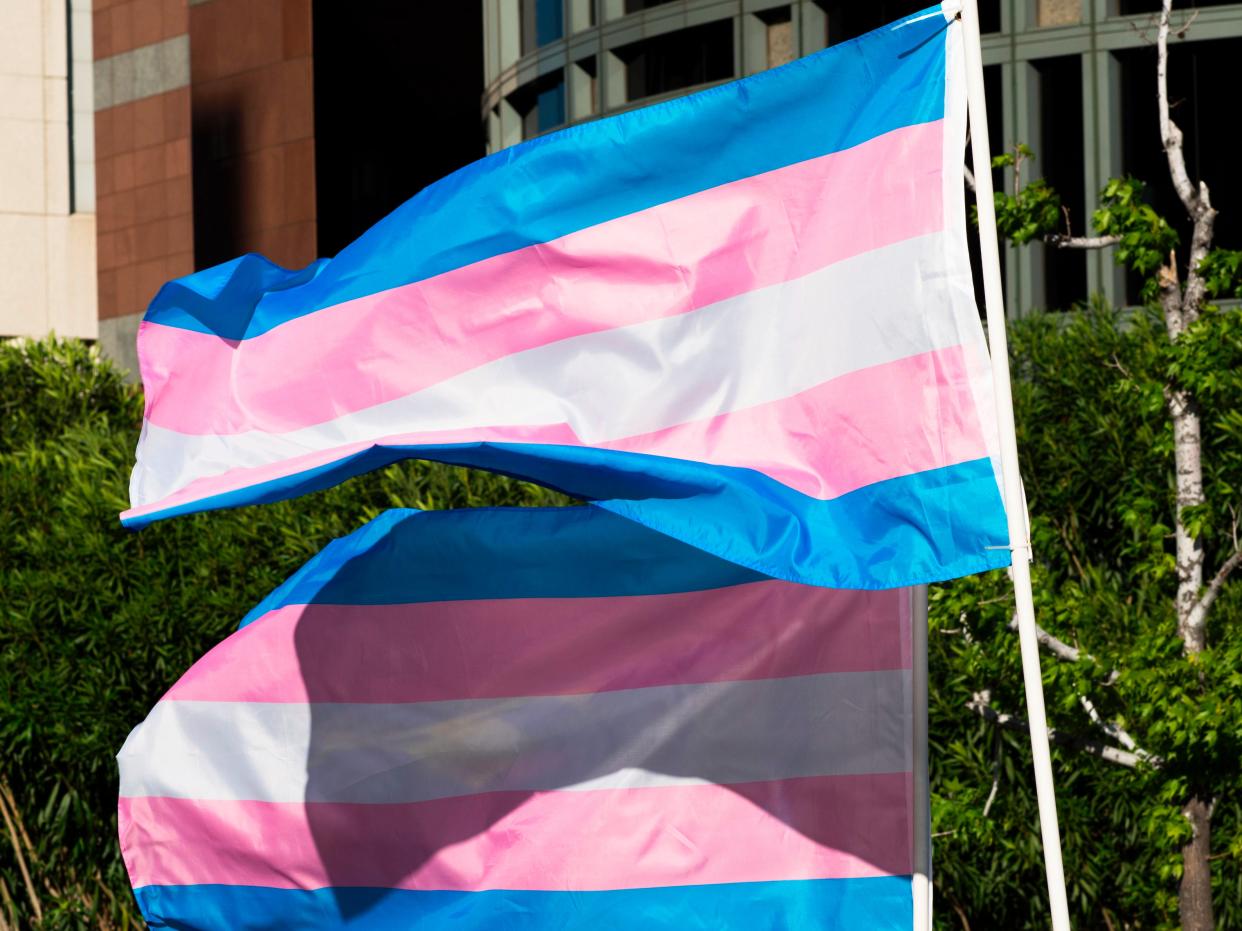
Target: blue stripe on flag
x=875 y=904
x=924 y=527
x=588 y=174
x=468 y=555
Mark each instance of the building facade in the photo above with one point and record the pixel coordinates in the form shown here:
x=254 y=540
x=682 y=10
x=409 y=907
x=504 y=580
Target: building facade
x=47 y=197
x=141 y=140
x=1074 y=79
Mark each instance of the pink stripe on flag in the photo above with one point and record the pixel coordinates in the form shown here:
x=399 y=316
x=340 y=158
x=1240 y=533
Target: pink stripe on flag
x=878 y=423
x=551 y=646
x=874 y=424
x=667 y=260
x=812 y=828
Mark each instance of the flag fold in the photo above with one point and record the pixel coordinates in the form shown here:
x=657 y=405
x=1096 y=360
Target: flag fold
x=744 y=318
x=532 y=719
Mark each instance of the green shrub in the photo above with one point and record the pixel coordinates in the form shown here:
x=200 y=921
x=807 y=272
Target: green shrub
x=1096 y=446
x=96 y=622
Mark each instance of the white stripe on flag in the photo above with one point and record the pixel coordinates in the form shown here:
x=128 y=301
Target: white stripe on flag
x=725 y=732
x=645 y=377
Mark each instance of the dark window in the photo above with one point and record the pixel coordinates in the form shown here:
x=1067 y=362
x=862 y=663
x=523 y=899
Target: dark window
x=989 y=16
x=540 y=104
x=1059 y=159
x=551 y=106
x=678 y=60
x=1202 y=78
x=633 y=6
x=549 y=21
x=849 y=19
x=1139 y=7
x=219 y=182
x=992 y=90
x=397 y=88
x=543 y=21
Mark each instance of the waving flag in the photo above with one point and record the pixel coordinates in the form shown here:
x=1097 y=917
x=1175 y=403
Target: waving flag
x=532 y=719
x=744 y=318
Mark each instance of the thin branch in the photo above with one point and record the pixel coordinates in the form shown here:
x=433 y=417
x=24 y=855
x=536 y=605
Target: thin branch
x=961 y=914
x=981 y=704
x=8 y=901
x=996 y=762
x=1078 y=566
x=21 y=860
x=1113 y=730
x=1190 y=21
x=970 y=177
x=17 y=816
x=1053 y=644
x=1063 y=241
x=1199 y=612
x=1059 y=648
x=1170 y=134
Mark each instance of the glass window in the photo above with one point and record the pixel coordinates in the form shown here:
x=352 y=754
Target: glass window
x=1141 y=7
x=543 y=21
x=540 y=104
x=989 y=16
x=1059 y=159
x=678 y=60
x=551 y=106
x=633 y=6
x=1202 y=82
x=1059 y=12
x=849 y=19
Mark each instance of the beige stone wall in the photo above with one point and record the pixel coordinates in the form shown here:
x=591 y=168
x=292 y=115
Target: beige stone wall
x=47 y=249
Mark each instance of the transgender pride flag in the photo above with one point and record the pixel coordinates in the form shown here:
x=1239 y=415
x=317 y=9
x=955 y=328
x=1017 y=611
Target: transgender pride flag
x=744 y=318
x=528 y=720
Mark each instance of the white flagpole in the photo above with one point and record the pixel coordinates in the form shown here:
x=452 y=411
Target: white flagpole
x=922 y=786
x=1015 y=505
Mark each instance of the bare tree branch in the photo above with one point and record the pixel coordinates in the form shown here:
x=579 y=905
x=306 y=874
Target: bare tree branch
x=1064 y=241
x=996 y=763
x=1210 y=594
x=35 y=904
x=1170 y=134
x=1072 y=654
x=981 y=704
x=1117 y=732
x=970 y=177
x=1053 y=644
x=1198 y=202
x=1190 y=21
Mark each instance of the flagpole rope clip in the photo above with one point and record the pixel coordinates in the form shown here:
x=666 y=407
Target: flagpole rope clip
x=1012 y=547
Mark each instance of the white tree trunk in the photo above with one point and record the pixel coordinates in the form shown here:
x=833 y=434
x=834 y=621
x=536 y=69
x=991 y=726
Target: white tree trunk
x=1181 y=309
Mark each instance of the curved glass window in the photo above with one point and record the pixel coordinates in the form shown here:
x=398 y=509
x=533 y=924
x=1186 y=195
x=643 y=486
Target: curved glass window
x=543 y=21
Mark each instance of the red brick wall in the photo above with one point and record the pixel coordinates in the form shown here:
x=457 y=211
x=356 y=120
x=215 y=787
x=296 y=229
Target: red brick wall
x=253 y=112
x=144 y=216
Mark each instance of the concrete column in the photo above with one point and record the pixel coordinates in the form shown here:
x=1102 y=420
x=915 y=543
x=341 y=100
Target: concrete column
x=754 y=44
x=812 y=28
x=1024 y=279
x=578 y=86
x=611 y=81
x=1101 y=113
x=510 y=125
x=579 y=15
x=510 y=13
